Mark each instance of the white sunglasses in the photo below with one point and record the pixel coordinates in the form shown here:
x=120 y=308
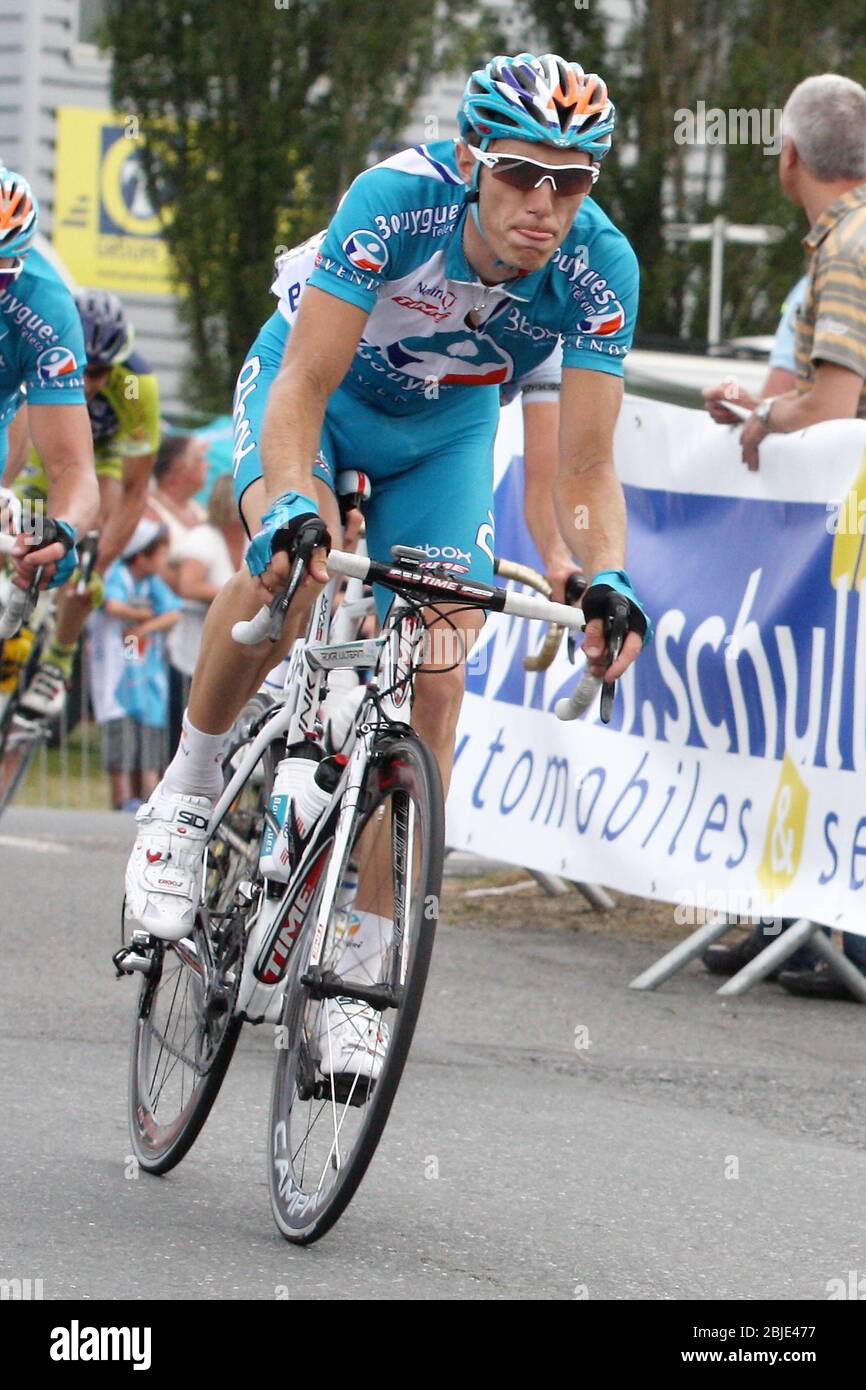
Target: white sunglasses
x=519 y=172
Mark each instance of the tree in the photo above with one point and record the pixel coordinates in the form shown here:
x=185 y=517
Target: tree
x=741 y=58
x=255 y=118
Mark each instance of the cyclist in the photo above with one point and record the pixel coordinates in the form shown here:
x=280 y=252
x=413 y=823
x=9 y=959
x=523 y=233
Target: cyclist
x=446 y=271
x=42 y=350
x=123 y=407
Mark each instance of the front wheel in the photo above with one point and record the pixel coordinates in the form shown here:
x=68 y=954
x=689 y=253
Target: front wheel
x=326 y=1122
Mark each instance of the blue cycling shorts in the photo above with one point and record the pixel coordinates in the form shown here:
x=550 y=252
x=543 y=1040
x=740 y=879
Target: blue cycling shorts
x=431 y=471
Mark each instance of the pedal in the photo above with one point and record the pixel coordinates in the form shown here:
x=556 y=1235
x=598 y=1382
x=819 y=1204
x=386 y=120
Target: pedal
x=136 y=958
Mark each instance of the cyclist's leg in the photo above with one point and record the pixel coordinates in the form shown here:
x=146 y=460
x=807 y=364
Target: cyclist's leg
x=165 y=899
x=443 y=505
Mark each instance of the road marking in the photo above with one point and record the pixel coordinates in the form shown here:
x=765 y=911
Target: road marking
x=39 y=846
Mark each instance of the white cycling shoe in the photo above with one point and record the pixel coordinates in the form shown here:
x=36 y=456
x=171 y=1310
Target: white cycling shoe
x=165 y=870
x=352 y=1039
x=45 y=696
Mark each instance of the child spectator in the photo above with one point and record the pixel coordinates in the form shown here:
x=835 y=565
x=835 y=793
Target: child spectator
x=129 y=668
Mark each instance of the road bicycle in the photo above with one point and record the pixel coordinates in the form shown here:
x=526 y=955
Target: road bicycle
x=270 y=951
x=27 y=620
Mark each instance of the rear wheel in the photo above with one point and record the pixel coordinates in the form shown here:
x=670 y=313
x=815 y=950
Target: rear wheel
x=325 y=1124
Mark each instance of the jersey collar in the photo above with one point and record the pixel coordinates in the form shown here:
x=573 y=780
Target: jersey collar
x=457 y=268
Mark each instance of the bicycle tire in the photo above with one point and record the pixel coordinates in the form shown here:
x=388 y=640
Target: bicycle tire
x=401 y=765
x=160 y=1147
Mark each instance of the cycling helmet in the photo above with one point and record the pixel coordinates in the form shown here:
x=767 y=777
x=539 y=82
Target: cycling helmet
x=546 y=99
x=19 y=212
x=107 y=334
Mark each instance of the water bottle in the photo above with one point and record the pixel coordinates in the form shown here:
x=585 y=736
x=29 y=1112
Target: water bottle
x=15 y=655
x=317 y=792
x=294 y=773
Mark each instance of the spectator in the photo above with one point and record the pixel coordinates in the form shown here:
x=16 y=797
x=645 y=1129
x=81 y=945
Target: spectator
x=128 y=667
x=782 y=373
x=822 y=168
x=209 y=556
x=179 y=473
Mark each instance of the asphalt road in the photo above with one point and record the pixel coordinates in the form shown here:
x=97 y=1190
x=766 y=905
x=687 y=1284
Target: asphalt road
x=514 y=1166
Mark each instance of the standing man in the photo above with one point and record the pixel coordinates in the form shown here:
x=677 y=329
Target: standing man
x=822 y=168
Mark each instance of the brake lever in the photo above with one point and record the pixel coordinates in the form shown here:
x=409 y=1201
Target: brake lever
x=615 y=630
x=575 y=585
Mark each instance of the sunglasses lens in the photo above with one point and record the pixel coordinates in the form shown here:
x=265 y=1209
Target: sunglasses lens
x=573 y=181
x=519 y=173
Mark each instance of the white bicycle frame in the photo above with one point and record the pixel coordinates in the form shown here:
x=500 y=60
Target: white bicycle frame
x=395 y=655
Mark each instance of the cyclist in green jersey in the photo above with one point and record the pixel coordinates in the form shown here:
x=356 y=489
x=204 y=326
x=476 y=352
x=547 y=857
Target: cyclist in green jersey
x=123 y=406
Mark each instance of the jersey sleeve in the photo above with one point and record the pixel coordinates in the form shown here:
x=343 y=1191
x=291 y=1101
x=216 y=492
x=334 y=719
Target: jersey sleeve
x=541 y=384
x=53 y=373
x=839 y=335
x=140 y=430
x=602 y=310
x=357 y=254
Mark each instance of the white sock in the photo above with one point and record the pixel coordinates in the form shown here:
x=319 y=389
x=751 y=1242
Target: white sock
x=364 y=946
x=196 y=768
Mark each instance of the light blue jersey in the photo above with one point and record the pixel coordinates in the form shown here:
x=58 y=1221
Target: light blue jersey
x=785 y=341
x=418 y=408
x=41 y=342
x=395 y=248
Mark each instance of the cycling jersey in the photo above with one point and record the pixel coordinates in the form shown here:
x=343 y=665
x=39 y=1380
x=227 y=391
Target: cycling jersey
x=124 y=421
x=395 y=248
x=41 y=343
x=539 y=384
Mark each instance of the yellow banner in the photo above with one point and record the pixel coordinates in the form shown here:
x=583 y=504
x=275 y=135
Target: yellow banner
x=105 y=228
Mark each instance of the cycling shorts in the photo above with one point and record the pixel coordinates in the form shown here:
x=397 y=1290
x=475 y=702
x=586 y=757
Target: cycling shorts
x=431 y=471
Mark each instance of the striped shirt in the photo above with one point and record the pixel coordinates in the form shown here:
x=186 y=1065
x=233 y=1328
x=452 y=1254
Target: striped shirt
x=831 y=326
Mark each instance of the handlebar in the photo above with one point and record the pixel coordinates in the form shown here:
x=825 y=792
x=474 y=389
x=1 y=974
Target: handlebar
x=408 y=573
x=524 y=574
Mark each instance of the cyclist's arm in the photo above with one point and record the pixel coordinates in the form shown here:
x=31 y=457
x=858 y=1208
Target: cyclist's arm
x=589 y=498
x=18 y=444
x=125 y=516
x=62 y=439
x=540 y=461
x=317 y=357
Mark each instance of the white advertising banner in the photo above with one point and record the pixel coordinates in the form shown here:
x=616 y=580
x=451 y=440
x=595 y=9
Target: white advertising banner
x=733 y=773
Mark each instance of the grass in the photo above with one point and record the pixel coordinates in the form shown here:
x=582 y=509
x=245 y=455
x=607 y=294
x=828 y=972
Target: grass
x=68 y=777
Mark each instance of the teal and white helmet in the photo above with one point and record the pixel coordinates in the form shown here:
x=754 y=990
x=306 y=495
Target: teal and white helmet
x=546 y=99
